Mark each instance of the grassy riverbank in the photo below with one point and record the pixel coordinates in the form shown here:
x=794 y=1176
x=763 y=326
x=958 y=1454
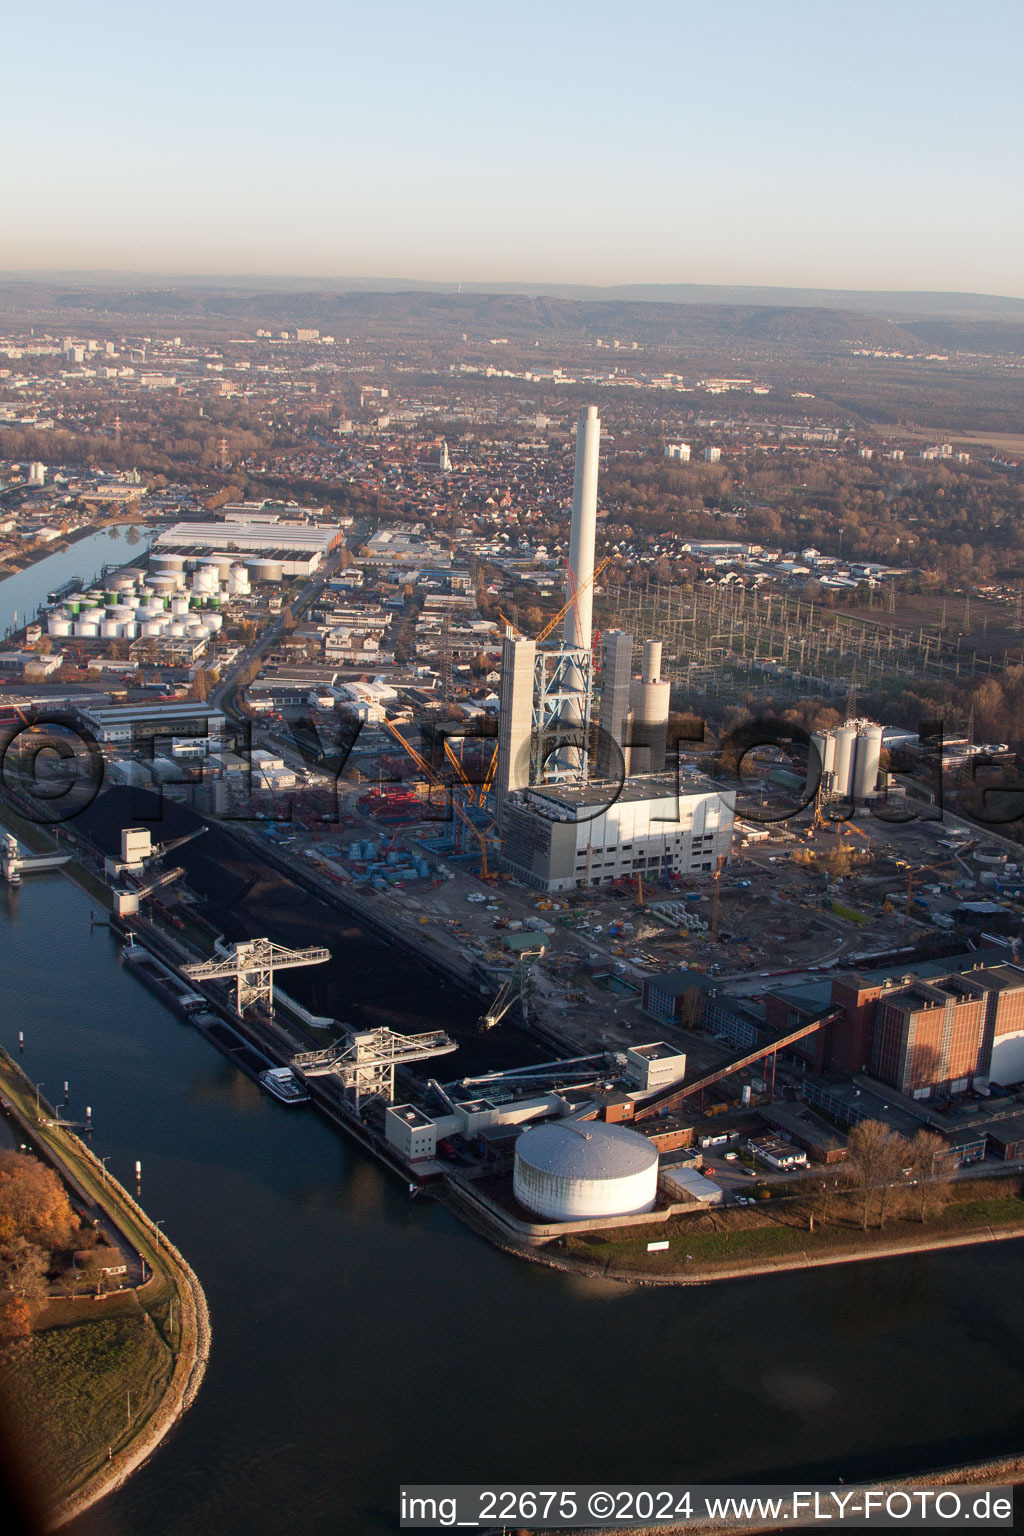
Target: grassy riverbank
x=68 y=1388
x=719 y=1243
x=68 y=1385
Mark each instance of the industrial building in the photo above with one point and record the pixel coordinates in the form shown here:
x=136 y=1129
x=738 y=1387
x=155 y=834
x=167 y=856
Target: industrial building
x=569 y=820
x=929 y=1032
x=133 y=723
x=846 y=763
x=284 y=548
x=563 y=837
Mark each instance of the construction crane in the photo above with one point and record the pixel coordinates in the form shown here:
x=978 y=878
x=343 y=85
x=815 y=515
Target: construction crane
x=570 y=602
x=912 y=876
x=717 y=878
x=433 y=778
x=251 y=964
x=516 y=986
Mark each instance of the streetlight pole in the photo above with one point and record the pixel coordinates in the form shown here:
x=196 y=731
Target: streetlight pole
x=38 y=1086
x=103 y=1164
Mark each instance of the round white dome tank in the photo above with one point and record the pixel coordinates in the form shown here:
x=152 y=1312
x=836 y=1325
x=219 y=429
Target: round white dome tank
x=150 y=629
x=570 y=1170
x=110 y=629
x=131 y=630
x=86 y=630
x=58 y=626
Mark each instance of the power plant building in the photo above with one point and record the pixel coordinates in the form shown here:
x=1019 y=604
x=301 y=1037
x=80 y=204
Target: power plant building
x=616 y=678
x=564 y=837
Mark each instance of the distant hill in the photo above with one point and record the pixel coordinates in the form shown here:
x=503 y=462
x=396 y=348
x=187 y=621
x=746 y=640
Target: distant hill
x=894 y=304
x=786 y=321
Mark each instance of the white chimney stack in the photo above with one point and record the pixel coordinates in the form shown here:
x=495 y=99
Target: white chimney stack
x=579 y=621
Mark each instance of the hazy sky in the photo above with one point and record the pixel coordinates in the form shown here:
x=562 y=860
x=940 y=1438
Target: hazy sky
x=832 y=143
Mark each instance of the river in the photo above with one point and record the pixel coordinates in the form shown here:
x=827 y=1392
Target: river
x=22 y=593
x=361 y=1340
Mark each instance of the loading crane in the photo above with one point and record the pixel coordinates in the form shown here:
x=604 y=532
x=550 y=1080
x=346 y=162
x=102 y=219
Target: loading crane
x=251 y=964
x=127 y=898
x=515 y=987
x=364 y=1061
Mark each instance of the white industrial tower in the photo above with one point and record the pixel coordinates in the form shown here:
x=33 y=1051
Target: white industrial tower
x=578 y=629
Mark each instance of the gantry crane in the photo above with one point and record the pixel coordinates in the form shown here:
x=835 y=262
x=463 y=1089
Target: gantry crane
x=252 y=964
x=364 y=1061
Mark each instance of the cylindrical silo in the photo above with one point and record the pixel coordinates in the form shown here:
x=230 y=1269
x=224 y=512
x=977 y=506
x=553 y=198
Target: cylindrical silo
x=87 y=630
x=846 y=743
x=821 y=760
x=162 y=560
x=869 y=752
x=58 y=625
x=573 y=1170
x=649 y=701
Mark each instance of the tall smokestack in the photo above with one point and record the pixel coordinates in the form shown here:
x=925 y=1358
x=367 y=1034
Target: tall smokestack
x=578 y=629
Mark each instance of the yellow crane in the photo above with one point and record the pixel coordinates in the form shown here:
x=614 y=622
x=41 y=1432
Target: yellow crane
x=434 y=779
x=717 y=878
x=569 y=603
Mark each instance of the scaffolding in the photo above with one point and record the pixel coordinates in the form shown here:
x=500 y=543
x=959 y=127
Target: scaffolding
x=561 y=716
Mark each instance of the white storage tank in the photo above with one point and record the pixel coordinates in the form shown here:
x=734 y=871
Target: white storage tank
x=846 y=745
x=821 y=760
x=570 y=1170
x=160 y=562
x=869 y=752
x=266 y=570
x=238 y=581
x=57 y=625
x=212 y=621
x=110 y=629
x=86 y=630
x=131 y=630
x=150 y=629
x=206 y=579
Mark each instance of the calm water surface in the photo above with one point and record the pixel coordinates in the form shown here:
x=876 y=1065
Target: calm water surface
x=22 y=593
x=360 y=1340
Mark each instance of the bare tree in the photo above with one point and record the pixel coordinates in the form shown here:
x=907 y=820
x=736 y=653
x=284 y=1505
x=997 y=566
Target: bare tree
x=927 y=1158
x=877 y=1155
